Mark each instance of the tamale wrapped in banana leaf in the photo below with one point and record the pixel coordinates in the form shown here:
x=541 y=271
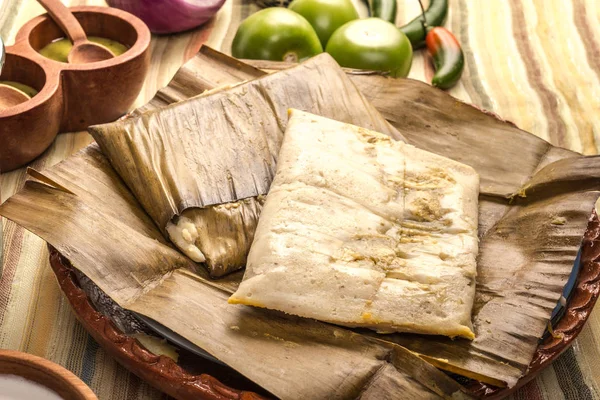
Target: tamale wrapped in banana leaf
x=104 y=232
x=361 y=230
x=517 y=287
x=222 y=148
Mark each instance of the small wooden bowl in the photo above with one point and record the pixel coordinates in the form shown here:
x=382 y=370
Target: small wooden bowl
x=45 y=373
x=71 y=97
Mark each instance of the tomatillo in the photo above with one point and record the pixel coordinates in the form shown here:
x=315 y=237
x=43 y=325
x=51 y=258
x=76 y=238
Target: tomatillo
x=374 y=44
x=276 y=34
x=325 y=16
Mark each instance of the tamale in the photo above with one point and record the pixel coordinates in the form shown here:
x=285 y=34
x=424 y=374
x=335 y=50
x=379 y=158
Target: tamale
x=363 y=231
x=171 y=161
x=299 y=358
x=506 y=158
x=103 y=188
x=226 y=229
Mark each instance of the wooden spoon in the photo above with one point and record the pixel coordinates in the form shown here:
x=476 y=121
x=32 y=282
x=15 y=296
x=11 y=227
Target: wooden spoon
x=10 y=96
x=2 y=54
x=83 y=50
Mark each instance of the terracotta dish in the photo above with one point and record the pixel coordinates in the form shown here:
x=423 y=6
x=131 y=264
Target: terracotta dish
x=71 y=96
x=178 y=381
x=45 y=373
x=160 y=371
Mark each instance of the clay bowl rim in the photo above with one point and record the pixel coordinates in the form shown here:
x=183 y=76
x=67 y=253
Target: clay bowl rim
x=75 y=387
x=53 y=69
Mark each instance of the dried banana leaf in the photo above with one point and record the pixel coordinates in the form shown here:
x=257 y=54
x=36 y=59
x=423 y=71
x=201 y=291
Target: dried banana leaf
x=101 y=228
x=208 y=70
x=223 y=147
x=529 y=236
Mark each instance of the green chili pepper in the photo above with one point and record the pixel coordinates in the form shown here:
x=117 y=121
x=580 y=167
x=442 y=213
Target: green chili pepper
x=435 y=15
x=447 y=57
x=384 y=9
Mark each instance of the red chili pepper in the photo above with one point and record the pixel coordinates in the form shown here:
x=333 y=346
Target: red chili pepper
x=447 y=55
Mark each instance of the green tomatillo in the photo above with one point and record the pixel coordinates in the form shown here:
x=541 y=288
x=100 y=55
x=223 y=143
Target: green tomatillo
x=276 y=34
x=325 y=16
x=373 y=44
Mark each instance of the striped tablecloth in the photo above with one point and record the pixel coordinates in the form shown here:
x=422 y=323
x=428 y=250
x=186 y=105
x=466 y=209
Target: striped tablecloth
x=533 y=62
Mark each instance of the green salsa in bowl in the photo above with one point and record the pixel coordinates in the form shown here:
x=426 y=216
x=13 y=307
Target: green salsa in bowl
x=28 y=90
x=59 y=49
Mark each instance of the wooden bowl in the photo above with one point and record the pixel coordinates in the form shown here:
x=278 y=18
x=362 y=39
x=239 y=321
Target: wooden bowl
x=45 y=373
x=71 y=97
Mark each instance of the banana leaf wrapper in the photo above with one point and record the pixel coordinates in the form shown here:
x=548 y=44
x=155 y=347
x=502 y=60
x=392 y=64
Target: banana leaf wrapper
x=98 y=224
x=222 y=147
x=534 y=207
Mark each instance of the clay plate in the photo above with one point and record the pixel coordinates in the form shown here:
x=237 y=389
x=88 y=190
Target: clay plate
x=177 y=380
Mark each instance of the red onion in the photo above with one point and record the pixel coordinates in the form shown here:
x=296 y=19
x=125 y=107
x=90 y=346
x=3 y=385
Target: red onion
x=170 y=16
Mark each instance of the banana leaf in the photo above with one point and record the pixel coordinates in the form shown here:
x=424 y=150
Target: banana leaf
x=529 y=238
x=208 y=70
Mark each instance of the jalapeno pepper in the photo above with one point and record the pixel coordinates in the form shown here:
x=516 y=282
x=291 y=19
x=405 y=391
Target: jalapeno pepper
x=384 y=9
x=447 y=55
x=435 y=15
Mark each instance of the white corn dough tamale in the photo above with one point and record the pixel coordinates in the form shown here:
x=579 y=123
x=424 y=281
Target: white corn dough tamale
x=219 y=235
x=364 y=231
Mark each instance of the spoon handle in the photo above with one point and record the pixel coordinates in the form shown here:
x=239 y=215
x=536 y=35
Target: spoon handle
x=2 y=54
x=64 y=19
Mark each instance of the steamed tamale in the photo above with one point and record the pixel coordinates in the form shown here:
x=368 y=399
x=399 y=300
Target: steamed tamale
x=364 y=231
x=227 y=230
x=172 y=162
x=101 y=228
x=506 y=159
